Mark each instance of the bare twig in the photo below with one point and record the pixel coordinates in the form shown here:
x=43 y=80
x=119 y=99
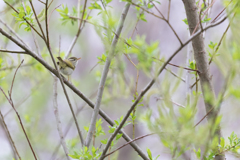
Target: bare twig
x=167 y=21
x=78 y=32
x=41 y=2
x=169 y=8
x=9 y=136
x=145 y=10
x=177 y=104
x=178 y=66
x=175 y=75
x=9 y=51
x=12 y=104
x=39 y=25
x=50 y=4
x=10 y=93
x=104 y=75
x=128 y=143
x=79 y=11
x=216 y=50
x=12 y=67
x=59 y=126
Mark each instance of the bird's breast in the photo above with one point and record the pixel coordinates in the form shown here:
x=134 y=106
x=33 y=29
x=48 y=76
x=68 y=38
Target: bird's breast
x=66 y=71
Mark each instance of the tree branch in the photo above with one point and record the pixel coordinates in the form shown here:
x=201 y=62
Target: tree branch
x=128 y=144
x=78 y=32
x=59 y=126
x=9 y=135
x=104 y=75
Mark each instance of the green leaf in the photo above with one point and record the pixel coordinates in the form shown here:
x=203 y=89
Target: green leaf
x=118 y=136
x=149 y=154
x=104 y=141
x=185 y=21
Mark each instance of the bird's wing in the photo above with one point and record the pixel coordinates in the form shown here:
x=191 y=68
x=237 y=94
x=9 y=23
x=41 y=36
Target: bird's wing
x=69 y=63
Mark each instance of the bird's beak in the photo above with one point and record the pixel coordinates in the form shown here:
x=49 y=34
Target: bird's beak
x=78 y=58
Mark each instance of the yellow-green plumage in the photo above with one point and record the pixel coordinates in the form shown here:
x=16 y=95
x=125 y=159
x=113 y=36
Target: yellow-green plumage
x=67 y=66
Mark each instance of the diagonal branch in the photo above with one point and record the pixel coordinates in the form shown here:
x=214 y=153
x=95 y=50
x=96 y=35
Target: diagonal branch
x=9 y=136
x=78 y=32
x=128 y=143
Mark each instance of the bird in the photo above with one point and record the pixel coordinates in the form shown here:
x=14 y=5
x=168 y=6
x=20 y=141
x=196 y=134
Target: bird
x=67 y=66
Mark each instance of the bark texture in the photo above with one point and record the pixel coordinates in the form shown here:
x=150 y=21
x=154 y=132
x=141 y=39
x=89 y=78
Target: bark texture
x=202 y=62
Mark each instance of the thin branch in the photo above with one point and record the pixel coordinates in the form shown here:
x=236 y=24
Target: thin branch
x=9 y=136
x=9 y=51
x=50 y=4
x=80 y=94
x=11 y=103
x=169 y=8
x=59 y=126
x=206 y=11
x=12 y=67
x=145 y=10
x=167 y=21
x=150 y=85
x=10 y=93
x=46 y=23
x=177 y=104
x=204 y=117
x=175 y=75
x=52 y=12
x=104 y=75
x=79 y=11
x=78 y=32
x=194 y=70
x=128 y=144
x=41 y=2
x=210 y=61
x=39 y=25
x=219 y=43
x=221 y=12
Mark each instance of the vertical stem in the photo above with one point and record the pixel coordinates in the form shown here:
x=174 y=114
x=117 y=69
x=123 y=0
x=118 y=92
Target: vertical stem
x=59 y=126
x=188 y=89
x=135 y=97
x=104 y=75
